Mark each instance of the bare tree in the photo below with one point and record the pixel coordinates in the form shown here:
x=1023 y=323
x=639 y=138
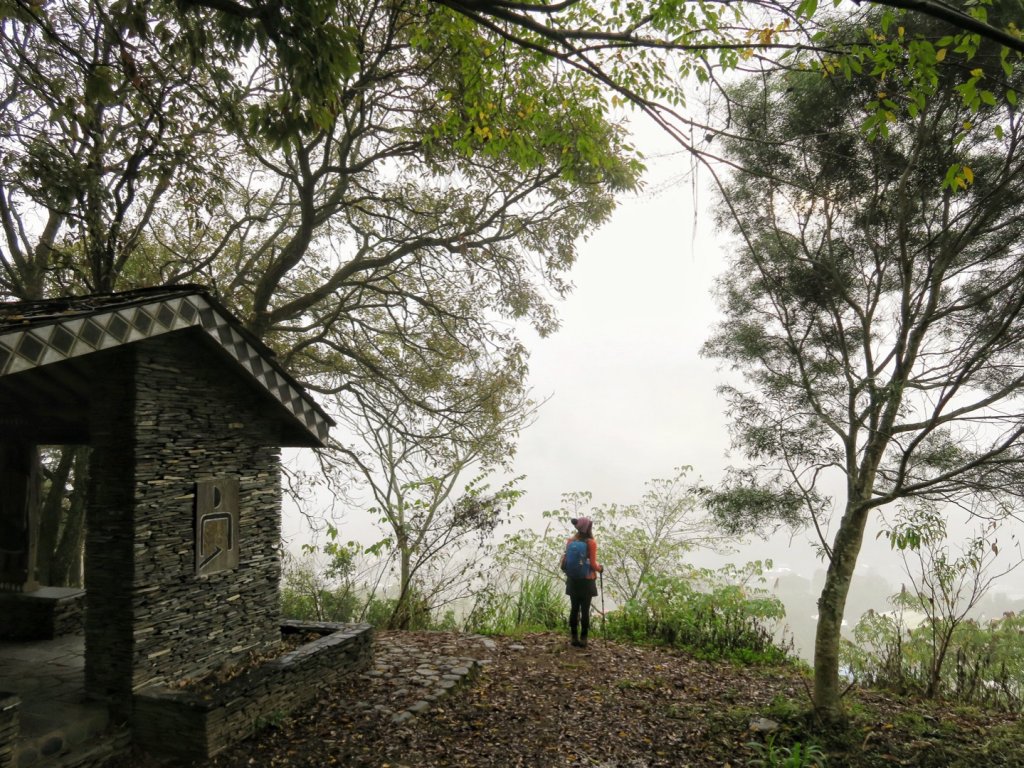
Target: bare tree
x=428 y=479
x=946 y=586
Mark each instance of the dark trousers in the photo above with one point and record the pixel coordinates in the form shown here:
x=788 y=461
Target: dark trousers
x=579 y=614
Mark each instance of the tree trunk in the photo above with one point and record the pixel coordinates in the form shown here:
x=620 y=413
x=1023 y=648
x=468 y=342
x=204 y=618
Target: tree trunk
x=938 y=659
x=52 y=515
x=400 y=617
x=66 y=565
x=831 y=606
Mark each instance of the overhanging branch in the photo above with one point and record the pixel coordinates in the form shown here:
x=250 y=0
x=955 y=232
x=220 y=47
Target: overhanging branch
x=956 y=18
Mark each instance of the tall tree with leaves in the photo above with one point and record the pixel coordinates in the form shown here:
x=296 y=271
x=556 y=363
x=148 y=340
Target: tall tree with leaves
x=381 y=240
x=874 y=303
x=102 y=121
x=445 y=190
x=642 y=52
x=387 y=247
x=320 y=162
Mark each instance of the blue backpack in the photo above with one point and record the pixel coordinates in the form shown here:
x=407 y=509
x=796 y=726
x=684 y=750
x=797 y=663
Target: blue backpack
x=577 y=560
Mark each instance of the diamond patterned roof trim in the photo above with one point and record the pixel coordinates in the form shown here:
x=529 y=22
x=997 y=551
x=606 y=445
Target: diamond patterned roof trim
x=55 y=338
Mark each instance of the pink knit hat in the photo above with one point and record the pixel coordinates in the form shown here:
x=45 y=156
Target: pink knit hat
x=583 y=524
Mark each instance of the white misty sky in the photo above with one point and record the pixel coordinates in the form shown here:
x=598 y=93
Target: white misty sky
x=630 y=396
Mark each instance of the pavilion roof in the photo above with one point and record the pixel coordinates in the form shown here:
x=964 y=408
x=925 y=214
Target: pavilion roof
x=35 y=334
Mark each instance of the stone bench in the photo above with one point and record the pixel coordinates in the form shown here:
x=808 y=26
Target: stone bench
x=42 y=614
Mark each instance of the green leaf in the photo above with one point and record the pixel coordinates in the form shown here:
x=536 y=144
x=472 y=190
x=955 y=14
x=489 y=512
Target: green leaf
x=951 y=175
x=807 y=8
x=99 y=86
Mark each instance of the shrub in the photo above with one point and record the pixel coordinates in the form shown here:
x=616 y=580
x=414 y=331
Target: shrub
x=984 y=665
x=772 y=755
x=309 y=595
x=707 y=616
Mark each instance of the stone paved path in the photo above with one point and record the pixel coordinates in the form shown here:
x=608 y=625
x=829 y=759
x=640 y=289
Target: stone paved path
x=412 y=670
x=410 y=673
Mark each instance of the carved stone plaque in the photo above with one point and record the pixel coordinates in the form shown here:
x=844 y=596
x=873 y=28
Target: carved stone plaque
x=216 y=525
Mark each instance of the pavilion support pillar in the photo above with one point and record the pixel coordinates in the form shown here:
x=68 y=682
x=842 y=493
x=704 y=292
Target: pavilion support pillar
x=110 y=542
x=19 y=510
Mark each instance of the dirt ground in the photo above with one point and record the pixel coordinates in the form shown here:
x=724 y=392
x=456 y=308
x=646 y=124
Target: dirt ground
x=541 y=703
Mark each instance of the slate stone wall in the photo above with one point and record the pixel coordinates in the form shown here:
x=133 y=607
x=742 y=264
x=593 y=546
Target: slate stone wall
x=109 y=543
x=8 y=728
x=196 y=419
x=191 y=725
x=190 y=415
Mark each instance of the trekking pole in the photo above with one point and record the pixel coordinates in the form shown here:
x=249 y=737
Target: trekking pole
x=604 y=629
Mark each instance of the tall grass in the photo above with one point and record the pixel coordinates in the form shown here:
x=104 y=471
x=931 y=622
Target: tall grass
x=532 y=603
x=703 y=613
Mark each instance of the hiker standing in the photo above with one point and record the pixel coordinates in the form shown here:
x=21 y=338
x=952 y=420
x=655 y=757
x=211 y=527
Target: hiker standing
x=579 y=562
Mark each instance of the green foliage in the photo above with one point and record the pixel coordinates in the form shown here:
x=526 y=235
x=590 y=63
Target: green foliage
x=651 y=538
x=773 y=755
x=308 y=594
x=275 y=718
x=325 y=605
x=716 y=614
x=710 y=613
x=638 y=541
x=786 y=709
x=944 y=587
x=860 y=305
x=659 y=598
x=913 y=59
x=500 y=101
x=415 y=613
x=813 y=296
x=532 y=603
x=984 y=665
x=120 y=109
x=875 y=657
x=533 y=552
x=435 y=534
x=747 y=502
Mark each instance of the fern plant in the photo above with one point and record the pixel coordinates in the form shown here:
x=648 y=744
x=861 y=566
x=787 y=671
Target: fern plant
x=771 y=755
